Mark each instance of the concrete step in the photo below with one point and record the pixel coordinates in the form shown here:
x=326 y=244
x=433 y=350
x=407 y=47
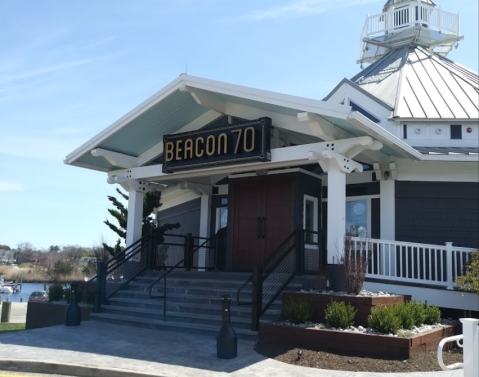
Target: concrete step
x=172 y=316
x=170 y=325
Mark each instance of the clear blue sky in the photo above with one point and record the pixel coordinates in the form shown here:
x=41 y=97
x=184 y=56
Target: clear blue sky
x=68 y=69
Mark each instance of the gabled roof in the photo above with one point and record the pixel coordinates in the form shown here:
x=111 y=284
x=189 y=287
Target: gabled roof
x=420 y=84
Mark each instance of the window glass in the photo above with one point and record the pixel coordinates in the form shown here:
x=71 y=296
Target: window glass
x=357 y=218
x=223 y=217
x=310 y=219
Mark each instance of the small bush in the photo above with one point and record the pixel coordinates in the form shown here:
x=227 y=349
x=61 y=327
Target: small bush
x=298 y=311
x=385 y=320
x=432 y=314
x=340 y=315
x=469 y=282
x=405 y=313
x=418 y=312
x=55 y=292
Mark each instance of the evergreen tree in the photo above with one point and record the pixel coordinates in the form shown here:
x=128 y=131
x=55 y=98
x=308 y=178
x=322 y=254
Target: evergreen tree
x=151 y=200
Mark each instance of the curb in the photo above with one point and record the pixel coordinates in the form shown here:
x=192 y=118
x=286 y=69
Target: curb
x=70 y=369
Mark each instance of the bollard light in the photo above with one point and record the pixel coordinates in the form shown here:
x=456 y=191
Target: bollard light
x=73 y=312
x=226 y=341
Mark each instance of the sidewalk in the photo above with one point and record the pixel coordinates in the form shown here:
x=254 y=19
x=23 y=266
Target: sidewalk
x=100 y=349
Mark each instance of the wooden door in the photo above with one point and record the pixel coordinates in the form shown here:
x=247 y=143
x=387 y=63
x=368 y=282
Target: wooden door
x=262 y=219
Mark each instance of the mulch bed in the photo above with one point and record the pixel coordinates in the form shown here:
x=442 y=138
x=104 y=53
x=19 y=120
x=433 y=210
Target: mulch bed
x=322 y=359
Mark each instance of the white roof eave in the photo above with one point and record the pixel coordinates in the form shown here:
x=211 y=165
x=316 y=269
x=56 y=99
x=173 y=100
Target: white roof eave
x=273 y=98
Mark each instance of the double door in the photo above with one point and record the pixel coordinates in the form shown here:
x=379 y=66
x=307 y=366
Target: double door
x=262 y=218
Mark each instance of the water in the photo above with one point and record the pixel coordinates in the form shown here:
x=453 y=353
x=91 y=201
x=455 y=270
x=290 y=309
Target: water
x=27 y=289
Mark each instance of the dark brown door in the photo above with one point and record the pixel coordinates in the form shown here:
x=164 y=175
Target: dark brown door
x=262 y=219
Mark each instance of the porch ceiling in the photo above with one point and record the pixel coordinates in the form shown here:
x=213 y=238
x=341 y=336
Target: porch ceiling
x=191 y=102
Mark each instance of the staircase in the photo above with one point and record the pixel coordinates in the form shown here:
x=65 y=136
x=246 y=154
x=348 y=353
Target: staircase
x=193 y=303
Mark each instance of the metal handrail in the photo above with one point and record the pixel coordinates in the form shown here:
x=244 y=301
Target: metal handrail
x=163 y=276
x=120 y=257
x=456 y=338
x=264 y=267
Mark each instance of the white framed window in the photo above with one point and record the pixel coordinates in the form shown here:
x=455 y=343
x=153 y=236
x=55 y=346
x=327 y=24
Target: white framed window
x=358 y=216
x=222 y=215
x=310 y=218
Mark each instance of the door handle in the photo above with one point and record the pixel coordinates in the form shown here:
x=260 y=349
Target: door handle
x=263 y=233
x=258 y=227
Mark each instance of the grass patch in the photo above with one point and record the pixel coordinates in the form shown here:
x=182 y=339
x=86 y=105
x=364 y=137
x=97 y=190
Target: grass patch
x=7 y=327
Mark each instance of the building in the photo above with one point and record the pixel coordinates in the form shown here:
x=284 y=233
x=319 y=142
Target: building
x=390 y=155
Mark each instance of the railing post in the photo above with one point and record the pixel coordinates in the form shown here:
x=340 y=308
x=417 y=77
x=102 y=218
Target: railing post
x=449 y=269
x=101 y=283
x=470 y=346
x=300 y=252
x=188 y=251
x=150 y=255
x=257 y=297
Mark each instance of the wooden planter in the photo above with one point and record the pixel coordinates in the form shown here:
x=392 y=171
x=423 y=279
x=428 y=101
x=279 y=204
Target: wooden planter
x=45 y=314
x=355 y=343
x=364 y=305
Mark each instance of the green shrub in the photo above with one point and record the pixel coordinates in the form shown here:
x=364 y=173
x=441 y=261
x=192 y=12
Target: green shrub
x=385 y=319
x=469 y=282
x=406 y=315
x=297 y=311
x=418 y=312
x=432 y=314
x=340 y=315
x=55 y=292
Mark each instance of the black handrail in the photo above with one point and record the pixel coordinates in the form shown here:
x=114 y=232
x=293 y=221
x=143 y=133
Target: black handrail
x=106 y=268
x=264 y=266
x=188 y=255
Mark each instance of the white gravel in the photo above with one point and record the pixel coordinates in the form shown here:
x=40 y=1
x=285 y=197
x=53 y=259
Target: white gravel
x=363 y=293
x=366 y=330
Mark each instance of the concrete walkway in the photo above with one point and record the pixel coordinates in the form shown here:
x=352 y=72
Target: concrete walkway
x=99 y=349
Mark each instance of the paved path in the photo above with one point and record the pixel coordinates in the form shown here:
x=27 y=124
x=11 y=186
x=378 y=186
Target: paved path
x=107 y=350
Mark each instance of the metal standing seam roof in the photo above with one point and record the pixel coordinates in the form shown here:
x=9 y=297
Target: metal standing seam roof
x=418 y=83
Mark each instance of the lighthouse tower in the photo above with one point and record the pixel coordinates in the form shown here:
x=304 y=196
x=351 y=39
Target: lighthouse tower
x=408 y=23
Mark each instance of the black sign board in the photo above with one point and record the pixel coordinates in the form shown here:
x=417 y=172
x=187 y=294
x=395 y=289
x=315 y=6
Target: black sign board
x=232 y=144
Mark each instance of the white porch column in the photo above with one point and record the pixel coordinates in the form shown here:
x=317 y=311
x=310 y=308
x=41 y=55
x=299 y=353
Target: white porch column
x=205 y=216
x=337 y=166
x=135 y=216
x=336 y=214
x=388 y=209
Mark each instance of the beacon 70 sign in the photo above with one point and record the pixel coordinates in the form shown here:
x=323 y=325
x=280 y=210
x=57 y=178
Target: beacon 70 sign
x=232 y=144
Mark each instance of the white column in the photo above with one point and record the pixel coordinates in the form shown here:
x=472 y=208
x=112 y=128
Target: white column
x=135 y=216
x=336 y=214
x=205 y=212
x=388 y=209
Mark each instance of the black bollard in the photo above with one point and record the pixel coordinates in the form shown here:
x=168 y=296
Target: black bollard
x=73 y=312
x=226 y=341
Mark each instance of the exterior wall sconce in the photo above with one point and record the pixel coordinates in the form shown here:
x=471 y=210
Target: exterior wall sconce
x=386 y=175
x=439 y=131
x=469 y=130
x=417 y=131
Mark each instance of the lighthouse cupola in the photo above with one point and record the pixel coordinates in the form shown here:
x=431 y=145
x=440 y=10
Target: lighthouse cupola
x=409 y=22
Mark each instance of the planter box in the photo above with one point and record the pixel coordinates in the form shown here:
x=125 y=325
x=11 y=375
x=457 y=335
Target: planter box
x=45 y=314
x=364 y=305
x=355 y=343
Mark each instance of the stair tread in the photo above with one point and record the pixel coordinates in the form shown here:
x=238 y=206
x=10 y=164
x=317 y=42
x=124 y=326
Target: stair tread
x=239 y=308
x=184 y=325
x=211 y=317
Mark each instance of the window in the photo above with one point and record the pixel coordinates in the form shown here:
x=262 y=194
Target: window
x=222 y=214
x=310 y=219
x=358 y=217
x=456 y=131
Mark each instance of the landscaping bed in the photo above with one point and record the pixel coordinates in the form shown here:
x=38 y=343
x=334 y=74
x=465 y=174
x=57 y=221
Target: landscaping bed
x=354 y=343
x=45 y=314
x=363 y=304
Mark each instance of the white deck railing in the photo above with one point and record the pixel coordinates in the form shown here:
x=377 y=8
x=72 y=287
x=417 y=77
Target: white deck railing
x=398 y=261
x=411 y=16
x=415 y=14
x=470 y=346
